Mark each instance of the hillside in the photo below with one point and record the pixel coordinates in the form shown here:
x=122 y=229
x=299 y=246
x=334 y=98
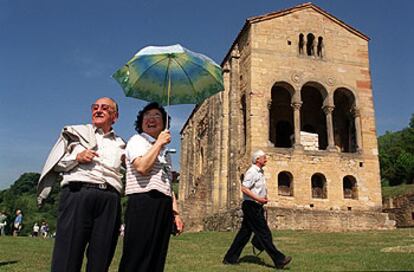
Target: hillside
x=22 y=195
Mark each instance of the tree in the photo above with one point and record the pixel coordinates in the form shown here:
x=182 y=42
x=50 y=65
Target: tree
x=396 y=153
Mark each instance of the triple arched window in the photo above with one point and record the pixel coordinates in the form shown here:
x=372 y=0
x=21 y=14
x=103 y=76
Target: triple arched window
x=311 y=45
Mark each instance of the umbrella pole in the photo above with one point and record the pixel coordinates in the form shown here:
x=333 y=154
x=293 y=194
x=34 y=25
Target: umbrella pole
x=168 y=97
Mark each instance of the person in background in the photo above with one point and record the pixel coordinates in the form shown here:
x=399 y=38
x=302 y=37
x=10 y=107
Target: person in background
x=3 y=223
x=44 y=229
x=152 y=207
x=90 y=158
x=35 y=230
x=18 y=223
x=254 y=197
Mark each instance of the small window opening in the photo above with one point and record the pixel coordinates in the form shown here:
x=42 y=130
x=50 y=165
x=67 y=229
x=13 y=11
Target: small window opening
x=349 y=208
x=301 y=43
x=311 y=205
x=284 y=184
x=310 y=45
x=319 y=47
x=289 y=42
x=350 y=187
x=318 y=186
x=361 y=164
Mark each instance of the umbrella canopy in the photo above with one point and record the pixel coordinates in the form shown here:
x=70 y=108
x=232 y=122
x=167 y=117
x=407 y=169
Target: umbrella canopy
x=170 y=75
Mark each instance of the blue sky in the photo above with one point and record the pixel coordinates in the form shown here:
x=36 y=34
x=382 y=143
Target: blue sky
x=56 y=58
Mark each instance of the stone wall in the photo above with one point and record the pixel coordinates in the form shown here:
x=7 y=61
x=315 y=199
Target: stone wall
x=325 y=221
x=401 y=209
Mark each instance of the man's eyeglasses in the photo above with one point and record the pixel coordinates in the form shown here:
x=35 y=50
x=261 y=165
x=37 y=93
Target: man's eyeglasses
x=153 y=115
x=104 y=107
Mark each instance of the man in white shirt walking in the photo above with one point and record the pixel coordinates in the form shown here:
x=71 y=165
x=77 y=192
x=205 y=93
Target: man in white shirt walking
x=254 y=197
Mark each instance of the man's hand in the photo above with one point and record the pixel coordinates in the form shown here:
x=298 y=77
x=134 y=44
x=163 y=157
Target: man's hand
x=86 y=156
x=262 y=200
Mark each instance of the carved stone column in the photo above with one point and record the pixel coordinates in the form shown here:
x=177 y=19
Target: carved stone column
x=329 y=125
x=357 y=119
x=296 y=123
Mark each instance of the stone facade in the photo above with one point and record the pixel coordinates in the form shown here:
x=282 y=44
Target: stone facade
x=289 y=74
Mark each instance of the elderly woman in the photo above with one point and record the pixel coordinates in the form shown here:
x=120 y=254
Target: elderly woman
x=152 y=206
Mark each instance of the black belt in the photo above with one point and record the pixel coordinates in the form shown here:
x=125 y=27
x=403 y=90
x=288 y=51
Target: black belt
x=76 y=186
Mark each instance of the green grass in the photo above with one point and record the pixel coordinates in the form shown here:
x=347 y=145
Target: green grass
x=393 y=191
x=311 y=251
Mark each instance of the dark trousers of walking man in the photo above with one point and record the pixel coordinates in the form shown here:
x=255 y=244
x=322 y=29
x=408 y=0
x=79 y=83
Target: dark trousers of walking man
x=253 y=221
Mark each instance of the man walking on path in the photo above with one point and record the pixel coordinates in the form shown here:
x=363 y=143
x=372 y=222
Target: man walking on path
x=254 y=197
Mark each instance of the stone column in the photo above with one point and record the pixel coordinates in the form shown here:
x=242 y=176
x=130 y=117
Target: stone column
x=357 y=119
x=224 y=131
x=329 y=126
x=233 y=137
x=296 y=123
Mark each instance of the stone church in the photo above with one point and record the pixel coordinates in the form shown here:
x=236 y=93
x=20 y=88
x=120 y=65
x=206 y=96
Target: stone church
x=298 y=86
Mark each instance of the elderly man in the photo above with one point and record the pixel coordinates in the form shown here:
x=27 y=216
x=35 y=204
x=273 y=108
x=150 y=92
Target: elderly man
x=89 y=158
x=254 y=197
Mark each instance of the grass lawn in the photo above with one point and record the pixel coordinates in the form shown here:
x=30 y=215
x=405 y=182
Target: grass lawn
x=393 y=191
x=311 y=251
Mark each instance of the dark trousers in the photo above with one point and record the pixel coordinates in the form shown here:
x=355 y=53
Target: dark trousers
x=253 y=221
x=148 y=222
x=86 y=216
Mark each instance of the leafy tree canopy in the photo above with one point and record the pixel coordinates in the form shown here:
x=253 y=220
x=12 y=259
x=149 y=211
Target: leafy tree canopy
x=396 y=153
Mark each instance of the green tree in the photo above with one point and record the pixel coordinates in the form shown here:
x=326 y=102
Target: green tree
x=396 y=153
x=22 y=195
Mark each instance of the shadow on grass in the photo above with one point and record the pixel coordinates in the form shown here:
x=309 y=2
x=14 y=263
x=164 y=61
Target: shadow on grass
x=8 y=262
x=255 y=260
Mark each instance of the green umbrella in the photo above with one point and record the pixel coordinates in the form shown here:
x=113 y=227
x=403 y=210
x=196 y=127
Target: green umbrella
x=170 y=75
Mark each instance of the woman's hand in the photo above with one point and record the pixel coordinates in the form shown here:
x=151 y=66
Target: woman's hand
x=164 y=138
x=179 y=224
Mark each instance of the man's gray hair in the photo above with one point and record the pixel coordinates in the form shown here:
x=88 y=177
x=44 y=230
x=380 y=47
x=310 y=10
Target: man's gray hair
x=257 y=154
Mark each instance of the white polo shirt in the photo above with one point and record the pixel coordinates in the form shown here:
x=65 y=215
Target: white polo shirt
x=160 y=176
x=255 y=180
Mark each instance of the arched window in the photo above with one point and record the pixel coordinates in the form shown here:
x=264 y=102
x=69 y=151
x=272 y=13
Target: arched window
x=281 y=115
x=350 y=187
x=310 y=45
x=344 y=121
x=301 y=43
x=319 y=47
x=285 y=184
x=319 y=189
x=313 y=118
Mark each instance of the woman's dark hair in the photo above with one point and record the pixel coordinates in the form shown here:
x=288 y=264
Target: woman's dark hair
x=151 y=106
